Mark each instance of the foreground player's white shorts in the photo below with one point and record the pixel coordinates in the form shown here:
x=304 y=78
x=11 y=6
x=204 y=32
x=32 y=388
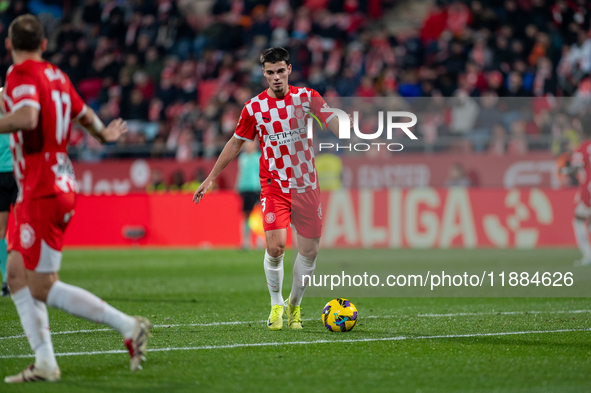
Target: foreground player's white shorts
x=582 y=211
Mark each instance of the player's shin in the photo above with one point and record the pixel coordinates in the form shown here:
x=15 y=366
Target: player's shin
x=582 y=237
x=274 y=274
x=81 y=303
x=35 y=323
x=302 y=267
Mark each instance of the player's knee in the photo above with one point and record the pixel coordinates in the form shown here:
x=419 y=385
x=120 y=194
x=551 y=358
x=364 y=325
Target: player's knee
x=309 y=250
x=15 y=282
x=39 y=292
x=276 y=250
x=311 y=254
x=15 y=277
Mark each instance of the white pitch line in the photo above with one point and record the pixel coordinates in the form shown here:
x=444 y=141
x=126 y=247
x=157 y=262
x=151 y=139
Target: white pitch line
x=312 y=319
x=463 y=314
x=62 y=332
x=337 y=341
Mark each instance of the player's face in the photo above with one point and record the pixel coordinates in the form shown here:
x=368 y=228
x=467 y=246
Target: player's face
x=277 y=75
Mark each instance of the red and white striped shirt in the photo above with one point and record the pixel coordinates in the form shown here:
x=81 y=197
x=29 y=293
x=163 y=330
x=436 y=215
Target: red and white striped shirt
x=287 y=159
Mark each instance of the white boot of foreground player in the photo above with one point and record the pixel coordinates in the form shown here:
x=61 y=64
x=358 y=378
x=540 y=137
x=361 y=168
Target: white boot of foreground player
x=34 y=374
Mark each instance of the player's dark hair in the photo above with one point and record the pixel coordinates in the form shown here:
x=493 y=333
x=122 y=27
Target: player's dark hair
x=26 y=33
x=274 y=55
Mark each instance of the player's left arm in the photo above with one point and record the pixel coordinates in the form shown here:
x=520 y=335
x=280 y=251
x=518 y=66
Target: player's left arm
x=95 y=127
x=331 y=120
x=333 y=125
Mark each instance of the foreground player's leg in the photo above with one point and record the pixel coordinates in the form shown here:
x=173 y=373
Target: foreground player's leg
x=582 y=238
x=81 y=303
x=304 y=265
x=274 y=253
x=35 y=323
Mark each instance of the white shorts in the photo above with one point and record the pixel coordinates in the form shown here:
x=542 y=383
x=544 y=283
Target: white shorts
x=582 y=211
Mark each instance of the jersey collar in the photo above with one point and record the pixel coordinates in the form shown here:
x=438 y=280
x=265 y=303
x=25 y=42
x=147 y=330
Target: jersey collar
x=289 y=91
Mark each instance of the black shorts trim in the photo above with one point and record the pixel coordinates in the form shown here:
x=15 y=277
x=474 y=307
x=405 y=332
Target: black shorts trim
x=8 y=191
x=249 y=200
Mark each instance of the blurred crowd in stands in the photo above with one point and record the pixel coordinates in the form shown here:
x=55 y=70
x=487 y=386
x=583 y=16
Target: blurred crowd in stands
x=180 y=71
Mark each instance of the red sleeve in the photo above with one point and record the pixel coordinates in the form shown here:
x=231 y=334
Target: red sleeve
x=246 y=128
x=78 y=105
x=21 y=90
x=318 y=103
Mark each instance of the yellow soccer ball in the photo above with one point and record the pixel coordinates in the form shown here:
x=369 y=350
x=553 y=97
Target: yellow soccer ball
x=339 y=315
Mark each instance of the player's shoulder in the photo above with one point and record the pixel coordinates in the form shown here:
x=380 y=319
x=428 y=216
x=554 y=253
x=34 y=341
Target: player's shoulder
x=303 y=90
x=36 y=68
x=18 y=70
x=262 y=96
x=255 y=102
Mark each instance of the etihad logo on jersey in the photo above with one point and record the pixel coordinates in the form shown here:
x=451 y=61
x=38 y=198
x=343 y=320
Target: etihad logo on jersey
x=287 y=136
x=23 y=90
x=345 y=123
x=54 y=75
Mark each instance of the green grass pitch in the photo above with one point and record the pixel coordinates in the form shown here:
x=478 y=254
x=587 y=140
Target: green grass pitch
x=480 y=345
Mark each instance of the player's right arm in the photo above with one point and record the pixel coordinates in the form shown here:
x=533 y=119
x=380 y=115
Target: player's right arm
x=230 y=152
x=24 y=119
x=245 y=131
x=23 y=101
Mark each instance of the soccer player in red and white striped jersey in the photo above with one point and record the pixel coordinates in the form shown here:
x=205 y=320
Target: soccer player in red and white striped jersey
x=289 y=186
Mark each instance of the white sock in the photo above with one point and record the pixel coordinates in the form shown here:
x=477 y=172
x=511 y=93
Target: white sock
x=274 y=275
x=35 y=323
x=302 y=267
x=44 y=355
x=81 y=303
x=582 y=237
